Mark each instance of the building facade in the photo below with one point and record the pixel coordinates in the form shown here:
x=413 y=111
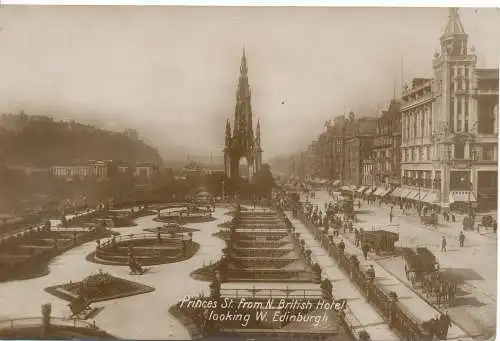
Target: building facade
x=449 y=127
x=368 y=174
x=358 y=144
x=386 y=148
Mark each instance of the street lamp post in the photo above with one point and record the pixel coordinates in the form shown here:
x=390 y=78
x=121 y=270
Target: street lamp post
x=471 y=186
x=472 y=157
x=419 y=206
x=223 y=190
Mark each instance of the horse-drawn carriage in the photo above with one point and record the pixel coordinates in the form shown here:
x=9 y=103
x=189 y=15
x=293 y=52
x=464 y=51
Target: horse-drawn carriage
x=429 y=219
x=419 y=262
x=422 y=267
x=379 y=240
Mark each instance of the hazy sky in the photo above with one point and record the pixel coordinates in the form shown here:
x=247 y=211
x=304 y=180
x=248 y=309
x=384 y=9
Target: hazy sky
x=171 y=72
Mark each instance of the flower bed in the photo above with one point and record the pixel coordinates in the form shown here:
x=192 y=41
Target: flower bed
x=99 y=287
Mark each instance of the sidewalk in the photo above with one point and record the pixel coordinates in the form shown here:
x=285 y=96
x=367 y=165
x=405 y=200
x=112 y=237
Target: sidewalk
x=360 y=315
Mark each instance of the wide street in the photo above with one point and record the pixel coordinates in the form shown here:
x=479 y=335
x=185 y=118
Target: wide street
x=474 y=266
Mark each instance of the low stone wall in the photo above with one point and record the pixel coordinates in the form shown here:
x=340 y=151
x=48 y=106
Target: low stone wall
x=35 y=264
x=115 y=252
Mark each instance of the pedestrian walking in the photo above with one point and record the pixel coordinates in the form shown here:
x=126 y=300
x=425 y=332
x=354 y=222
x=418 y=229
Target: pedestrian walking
x=342 y=245
x=365 y=248
x=443 y=244
x=461 y=238
x=445 y=324
x=370 y=273
x=390 y=217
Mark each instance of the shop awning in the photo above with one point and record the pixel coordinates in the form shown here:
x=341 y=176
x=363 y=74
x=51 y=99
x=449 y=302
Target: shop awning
x=417 y=195
x=406 y=193
x=361 y=189
x=336 y=183
x=462 y=196
x=431 y=198
x=385 y=192
x=371 y=190
x=396 y=192
x=344 y=188
x=352 y=188
x=379 y=191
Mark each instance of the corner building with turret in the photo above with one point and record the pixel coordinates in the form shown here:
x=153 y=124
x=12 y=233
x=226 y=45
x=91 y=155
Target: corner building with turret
x=449 y=129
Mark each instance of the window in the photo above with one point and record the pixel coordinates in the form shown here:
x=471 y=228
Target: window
x=488 y=152
x=459 y=79
x=459 y=114
x=459 y=180
x=460 y=149
x=421 y=149
x=422 y=124
x=466 y=114
x=452 y=116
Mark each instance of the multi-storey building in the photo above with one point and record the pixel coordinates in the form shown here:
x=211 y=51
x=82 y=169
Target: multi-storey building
x=131 y=134
x=368 y=174
x=312 y=161
x=386 y=147
x=70 y=172
x=449 y=127
x=325 y=155
x=358 y=144
x=336 y=134
x=145 y=170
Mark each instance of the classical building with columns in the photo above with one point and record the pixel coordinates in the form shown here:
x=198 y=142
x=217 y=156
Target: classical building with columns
x=449 y=128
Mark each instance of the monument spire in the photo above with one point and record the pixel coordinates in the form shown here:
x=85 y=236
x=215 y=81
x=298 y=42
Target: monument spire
x=454 y=26
x=228 y=133
x=243 y=142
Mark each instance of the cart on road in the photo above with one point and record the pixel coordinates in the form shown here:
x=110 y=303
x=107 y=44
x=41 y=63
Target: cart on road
x=419 y=262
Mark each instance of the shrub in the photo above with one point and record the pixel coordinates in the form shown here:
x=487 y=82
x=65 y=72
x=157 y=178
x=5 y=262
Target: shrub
x=364 y=336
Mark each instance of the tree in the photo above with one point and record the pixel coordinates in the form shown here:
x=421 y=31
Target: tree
x=263 y=181
x=352 y=117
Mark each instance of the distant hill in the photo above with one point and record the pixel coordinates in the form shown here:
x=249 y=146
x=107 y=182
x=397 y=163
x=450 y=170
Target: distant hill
x=41 y=141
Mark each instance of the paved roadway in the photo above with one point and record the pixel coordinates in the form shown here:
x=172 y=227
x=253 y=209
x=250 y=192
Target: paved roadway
x=474 y=265
x=143 y=316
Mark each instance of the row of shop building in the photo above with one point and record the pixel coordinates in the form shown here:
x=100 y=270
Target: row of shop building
x=419 y=196
x=439 y=138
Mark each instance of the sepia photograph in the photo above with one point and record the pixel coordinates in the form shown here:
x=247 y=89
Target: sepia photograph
x=248 y=173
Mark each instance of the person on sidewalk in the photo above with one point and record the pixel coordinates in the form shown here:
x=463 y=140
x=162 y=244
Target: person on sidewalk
x=390 y=216
x=434 y=328
x=461 y=238
x=365 y=248
x=370 y=273
x=443 y=244
x=341 y=245
x=445 y=324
